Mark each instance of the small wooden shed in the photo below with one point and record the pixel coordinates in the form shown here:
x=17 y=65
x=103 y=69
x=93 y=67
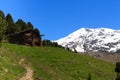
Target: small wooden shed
x=28 y=37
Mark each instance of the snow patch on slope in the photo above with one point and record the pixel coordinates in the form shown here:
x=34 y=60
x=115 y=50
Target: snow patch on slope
x=86 y=39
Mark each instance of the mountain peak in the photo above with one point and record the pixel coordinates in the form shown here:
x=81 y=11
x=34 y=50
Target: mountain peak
x=92 y=40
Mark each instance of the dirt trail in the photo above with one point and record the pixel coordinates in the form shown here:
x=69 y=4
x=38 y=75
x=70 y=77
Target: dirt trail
x=28 y=75
x=29 y=72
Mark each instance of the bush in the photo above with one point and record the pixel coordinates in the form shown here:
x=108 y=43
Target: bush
x=89 y=77
x=50 y=43
x=117 y=69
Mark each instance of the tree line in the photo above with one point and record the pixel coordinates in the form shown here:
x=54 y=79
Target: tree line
x=47 y=42
x=8 y=26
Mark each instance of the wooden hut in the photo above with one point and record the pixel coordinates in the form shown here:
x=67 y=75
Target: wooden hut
x=27 y=37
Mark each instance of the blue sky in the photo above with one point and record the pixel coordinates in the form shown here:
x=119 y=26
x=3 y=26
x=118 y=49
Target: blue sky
x=58 y=18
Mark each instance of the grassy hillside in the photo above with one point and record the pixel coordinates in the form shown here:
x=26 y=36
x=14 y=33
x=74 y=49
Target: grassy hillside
x=9 y=67
x=49 y=63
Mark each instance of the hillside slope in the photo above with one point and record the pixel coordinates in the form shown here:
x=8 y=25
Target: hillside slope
x=50 y=63
x=10 y=69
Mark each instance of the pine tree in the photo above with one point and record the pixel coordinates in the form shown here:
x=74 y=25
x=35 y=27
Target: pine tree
x=10 y=27
x=30 y=26
x=21 y=24
x=3 y=25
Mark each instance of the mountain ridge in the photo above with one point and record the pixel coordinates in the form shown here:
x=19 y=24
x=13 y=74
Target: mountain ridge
x=92 y=40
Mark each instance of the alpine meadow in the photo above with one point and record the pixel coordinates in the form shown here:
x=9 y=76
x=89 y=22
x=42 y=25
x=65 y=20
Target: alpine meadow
x=24 y=55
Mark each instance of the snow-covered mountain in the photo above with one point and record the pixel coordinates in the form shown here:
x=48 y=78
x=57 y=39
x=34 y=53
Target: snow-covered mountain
x=92 y=40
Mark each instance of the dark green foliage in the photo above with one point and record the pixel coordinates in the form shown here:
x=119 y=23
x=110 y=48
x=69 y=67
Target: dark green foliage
x=47 y=43
x=17 y=27
x=3 y=25
x=50 y=43
x=117 y=70
x=9 y=19
x=10 y=27
x=29 y=24
x=89 y=77
x=22 y=24
x=2 y=14
x=118 y=76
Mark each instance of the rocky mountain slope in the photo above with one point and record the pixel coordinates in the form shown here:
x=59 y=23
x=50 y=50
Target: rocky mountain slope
x=92 y=40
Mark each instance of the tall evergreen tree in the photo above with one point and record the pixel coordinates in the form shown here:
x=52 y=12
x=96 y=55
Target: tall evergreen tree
x=9 y=19
x=3 y=25
x=17 y=27
x=22 y=24
x=30 y=26
x=10 y=27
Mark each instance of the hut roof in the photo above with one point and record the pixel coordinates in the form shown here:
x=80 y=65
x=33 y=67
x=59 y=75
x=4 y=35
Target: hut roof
x=24 y=31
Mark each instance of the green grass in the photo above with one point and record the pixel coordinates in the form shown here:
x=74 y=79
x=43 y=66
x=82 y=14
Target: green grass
x=9 y=67
x=50 y=63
